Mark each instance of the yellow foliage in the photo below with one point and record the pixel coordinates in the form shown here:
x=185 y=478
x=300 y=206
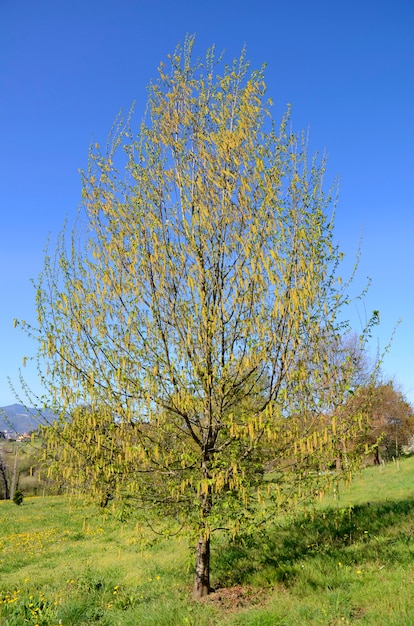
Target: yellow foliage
x=190 y=322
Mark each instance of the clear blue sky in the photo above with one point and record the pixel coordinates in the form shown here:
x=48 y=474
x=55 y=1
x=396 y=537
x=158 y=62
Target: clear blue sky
x=67 y=68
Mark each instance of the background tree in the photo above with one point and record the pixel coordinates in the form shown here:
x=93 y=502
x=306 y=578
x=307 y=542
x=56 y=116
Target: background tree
x=195 y=310
x=389 y=418
x=20 y=467
x=4 y=475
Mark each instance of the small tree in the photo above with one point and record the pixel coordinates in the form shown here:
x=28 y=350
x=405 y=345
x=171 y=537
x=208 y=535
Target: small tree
x=195 y=311
x=389 y=418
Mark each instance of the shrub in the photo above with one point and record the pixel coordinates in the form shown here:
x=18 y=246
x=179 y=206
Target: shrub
x=18 y=497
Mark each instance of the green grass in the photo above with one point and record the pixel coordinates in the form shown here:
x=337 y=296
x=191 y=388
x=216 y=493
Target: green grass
x=350 y=561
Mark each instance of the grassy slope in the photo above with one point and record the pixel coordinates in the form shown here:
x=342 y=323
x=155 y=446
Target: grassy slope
x=350 y=562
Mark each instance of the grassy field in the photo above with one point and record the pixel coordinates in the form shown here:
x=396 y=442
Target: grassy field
x=349 y=562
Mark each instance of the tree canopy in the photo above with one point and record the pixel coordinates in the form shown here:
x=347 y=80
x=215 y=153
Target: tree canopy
x=390 y=419
x=191 y=324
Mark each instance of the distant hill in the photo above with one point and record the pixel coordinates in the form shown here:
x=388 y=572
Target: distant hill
x=21 y=419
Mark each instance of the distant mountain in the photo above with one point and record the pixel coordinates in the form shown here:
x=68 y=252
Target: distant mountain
x=21 y=419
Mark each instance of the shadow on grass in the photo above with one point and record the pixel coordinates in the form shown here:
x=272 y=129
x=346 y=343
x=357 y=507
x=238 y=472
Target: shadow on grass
x=382 y=531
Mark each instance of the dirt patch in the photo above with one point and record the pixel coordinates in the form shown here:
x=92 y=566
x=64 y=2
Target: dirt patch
x=235 y=598
x=357 y=613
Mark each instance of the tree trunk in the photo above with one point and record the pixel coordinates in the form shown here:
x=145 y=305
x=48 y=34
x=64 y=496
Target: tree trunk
x=3 y=474
x=202 y=569
x=15 y=477
x=377 y=456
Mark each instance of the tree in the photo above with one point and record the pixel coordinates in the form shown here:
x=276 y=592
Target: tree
x=19 y=468
x=390 y=418
x=4 y=473
x=195 y=312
